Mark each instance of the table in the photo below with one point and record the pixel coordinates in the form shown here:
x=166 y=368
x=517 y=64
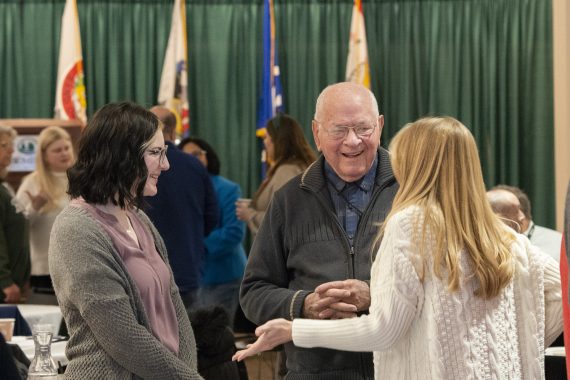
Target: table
x=27 y=316
x=27 y=345
x=40 y=314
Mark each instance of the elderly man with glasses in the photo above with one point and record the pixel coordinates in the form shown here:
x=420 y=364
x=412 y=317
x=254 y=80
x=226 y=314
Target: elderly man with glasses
x=320 y=230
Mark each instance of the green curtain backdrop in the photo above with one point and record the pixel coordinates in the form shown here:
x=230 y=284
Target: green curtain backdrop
x=486 y=62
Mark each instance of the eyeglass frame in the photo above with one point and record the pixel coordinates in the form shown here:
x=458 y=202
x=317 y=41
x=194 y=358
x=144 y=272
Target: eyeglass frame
x=347 y=128
x=158 y=151
x=198 y=153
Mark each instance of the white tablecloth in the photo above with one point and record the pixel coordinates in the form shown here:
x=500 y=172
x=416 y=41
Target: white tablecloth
x=27 y=345
x=36 y=314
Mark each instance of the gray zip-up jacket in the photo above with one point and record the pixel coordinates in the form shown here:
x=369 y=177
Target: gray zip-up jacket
x=301 y=245
x=110 y=335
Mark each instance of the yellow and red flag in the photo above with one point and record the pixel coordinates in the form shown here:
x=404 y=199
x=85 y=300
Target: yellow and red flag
x=173 y=91
x=357 y=67
x=70 y=99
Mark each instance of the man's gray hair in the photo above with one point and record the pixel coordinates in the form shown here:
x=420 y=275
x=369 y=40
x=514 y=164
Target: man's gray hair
x=324 y=93
x=7 y=130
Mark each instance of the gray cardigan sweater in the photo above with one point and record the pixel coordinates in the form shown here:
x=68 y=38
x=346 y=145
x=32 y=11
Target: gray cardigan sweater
x=301 y=245
x=110 y=336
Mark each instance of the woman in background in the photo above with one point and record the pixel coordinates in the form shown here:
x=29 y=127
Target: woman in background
x=455 y=293
x=41 y=197
x=288 y=154
x=225 y=256
x=108 y=263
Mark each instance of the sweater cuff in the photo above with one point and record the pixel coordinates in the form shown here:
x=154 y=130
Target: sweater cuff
x=5 y=282
x=297 y=302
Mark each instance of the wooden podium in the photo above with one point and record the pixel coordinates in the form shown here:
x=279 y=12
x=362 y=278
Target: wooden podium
x=34 y=127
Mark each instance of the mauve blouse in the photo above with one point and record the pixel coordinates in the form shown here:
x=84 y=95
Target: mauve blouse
x=149 y=272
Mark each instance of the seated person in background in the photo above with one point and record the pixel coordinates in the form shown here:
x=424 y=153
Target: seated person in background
x=214 y=343
x=10 y=368
x=225 y=257
x=455 y=294
x=544 y=238
x=108 y=263
x=14 y=243
x=506 y=205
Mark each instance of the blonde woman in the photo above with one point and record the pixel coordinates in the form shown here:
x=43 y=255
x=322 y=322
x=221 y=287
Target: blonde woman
x=289 y=153
x=41 y=197
x=454 y=292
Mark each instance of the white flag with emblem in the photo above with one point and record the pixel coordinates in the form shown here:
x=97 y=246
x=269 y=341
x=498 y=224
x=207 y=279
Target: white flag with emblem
x=357 y=68
x=173 y=91
x=70 y=96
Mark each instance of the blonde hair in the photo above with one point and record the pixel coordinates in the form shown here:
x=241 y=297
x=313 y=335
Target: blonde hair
x=436 y=162
x=46 y=180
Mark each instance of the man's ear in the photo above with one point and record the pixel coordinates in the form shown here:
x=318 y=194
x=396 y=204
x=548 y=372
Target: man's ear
x=381 y=123
x=315 y=128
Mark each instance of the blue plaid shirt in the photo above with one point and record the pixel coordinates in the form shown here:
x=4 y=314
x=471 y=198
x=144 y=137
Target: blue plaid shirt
x=350 y=199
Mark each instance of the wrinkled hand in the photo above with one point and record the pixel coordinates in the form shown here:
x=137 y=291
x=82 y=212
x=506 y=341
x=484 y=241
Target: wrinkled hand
x=322 y=306
x=39 y=200
x=12 y=294
x=270 y=334
x=243 y=211
x=340 y=299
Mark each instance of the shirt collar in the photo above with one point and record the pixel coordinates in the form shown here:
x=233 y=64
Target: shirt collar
x=365 y=183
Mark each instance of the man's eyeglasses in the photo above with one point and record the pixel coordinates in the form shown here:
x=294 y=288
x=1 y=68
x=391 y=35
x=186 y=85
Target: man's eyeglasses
x=339 y=132
x=158 y=152
x=197 y=153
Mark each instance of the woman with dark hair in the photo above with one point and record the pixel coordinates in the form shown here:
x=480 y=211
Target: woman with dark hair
x=225 y=256
x=288 y=154
x=108 y=263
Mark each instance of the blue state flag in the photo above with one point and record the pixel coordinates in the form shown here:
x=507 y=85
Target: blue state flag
x=271 y=100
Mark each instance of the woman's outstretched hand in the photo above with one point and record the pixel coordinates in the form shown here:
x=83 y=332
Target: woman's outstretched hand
x=270 y=334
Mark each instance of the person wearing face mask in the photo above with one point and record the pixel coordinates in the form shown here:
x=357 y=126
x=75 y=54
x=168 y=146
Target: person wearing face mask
x=14 y=243
x=108 y=262
x=41 y=197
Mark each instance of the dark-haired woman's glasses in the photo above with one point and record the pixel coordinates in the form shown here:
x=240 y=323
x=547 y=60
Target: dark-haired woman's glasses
x=158 y=152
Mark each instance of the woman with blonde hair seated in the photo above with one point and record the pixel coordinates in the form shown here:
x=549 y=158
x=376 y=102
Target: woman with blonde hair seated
x=454 y=292
x=41 y=197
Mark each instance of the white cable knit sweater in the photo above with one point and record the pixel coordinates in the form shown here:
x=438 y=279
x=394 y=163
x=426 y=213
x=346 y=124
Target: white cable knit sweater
x=418 y=330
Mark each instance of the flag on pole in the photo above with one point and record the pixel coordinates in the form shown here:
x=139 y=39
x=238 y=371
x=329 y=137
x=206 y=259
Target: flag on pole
x=70 y=99
x=357 y=68
x=173 y=91
x=271 y=100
